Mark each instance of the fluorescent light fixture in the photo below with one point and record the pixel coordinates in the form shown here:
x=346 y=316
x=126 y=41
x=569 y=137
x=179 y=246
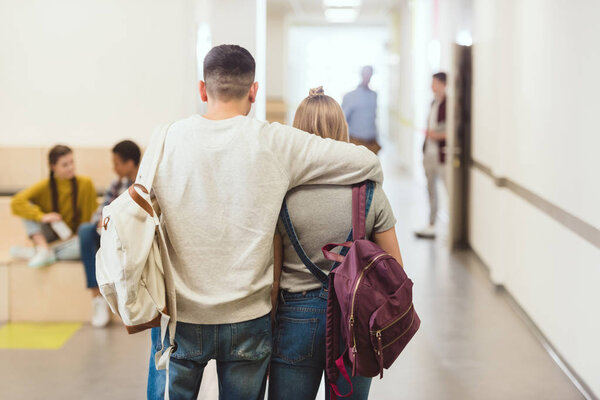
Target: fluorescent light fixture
x=341 y=3
x=464 y=38
x=341 y=15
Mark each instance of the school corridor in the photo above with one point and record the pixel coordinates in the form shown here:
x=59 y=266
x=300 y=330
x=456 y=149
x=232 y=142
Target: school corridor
x=484 y=112
x=474 y=342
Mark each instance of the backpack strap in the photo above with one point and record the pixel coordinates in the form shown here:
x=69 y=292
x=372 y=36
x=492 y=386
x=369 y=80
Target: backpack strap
x=143 y=182
x=362 y=197
x=291 y=232
x=332 y=333
x=147 y=172
x=152 y=157
x=366 y=197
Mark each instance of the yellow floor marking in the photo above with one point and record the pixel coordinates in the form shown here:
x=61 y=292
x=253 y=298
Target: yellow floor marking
x=48 y=336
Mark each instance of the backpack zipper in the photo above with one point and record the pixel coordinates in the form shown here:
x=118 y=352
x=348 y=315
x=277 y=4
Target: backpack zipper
x=394 y=321
x=380 y=347
x=354 y=350
x=380 y=354
x=378 y=334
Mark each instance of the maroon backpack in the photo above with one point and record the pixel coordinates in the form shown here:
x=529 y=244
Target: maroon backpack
x=369 y=303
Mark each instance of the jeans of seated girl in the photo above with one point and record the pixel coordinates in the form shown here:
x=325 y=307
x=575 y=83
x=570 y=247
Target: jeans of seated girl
x=67 y=250
x=298 y=359
x=242 y=351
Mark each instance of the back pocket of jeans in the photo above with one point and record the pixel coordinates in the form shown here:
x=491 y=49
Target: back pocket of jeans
x=295 y=339
x=252 y=340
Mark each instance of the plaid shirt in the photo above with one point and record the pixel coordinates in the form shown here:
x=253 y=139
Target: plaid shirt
x=117 y=187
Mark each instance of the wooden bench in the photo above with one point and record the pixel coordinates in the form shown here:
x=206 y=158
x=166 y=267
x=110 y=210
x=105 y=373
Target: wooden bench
x=53 y=293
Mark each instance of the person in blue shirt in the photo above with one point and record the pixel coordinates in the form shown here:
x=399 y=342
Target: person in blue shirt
x=360 y=107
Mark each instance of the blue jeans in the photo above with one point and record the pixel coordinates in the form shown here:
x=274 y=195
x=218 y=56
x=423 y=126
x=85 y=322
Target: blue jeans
x=89 y=243
x=242 y=351
x=298 y=360
x=67 y=250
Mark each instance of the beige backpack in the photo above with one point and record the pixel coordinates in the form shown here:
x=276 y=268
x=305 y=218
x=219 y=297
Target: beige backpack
x=133 y=269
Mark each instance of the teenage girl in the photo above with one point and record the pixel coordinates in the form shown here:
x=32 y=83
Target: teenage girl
x=320 y=214
x=62 y=197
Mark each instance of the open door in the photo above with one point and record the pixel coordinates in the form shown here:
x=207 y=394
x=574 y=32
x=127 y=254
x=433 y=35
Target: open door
x=459 y=146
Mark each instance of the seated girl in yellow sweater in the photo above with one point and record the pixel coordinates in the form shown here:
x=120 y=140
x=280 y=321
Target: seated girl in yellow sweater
x=62 y=197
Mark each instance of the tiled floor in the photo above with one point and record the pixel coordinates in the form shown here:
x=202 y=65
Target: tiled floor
x=471 y=345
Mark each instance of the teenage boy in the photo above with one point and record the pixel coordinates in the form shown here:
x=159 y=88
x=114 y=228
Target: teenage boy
x=126 y=160
x=220 y=186
x=434 y=150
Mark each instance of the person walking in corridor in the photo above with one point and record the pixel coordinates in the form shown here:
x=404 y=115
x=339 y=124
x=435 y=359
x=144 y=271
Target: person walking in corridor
x=434 y=151
x=220 y=185
x=360 y=109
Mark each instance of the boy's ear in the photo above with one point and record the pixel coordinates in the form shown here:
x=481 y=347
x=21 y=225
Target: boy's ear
x=202 y=87
x=252 y=92
x=130 y=164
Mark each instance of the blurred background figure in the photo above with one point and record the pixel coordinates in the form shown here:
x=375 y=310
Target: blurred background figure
x=53 y=209
x=360 y=107
x=126 y=159
x=434 y=150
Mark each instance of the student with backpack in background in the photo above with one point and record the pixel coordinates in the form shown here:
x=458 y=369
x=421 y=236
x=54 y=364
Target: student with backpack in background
x=53 y=210
x=319 y=214
x=126 y=159
x=220 y=184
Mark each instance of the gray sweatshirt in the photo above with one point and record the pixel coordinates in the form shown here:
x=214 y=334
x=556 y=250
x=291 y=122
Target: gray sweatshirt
x=220 y=185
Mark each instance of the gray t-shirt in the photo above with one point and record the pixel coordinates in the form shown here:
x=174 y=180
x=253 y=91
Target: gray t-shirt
x=322 y=214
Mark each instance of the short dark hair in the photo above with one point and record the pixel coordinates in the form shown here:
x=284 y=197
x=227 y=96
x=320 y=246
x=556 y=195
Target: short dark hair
x=440 y=76
x=128 y=150
x=228 y=71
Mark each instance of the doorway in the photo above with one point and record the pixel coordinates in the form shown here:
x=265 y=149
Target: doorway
x=459 y=149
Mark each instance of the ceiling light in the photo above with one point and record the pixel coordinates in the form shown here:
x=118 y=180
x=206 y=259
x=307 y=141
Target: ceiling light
x=341 y=15
x=341 y=3
x=464 y=38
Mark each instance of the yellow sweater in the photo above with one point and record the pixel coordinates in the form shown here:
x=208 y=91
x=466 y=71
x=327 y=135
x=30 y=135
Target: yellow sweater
x=32 y=203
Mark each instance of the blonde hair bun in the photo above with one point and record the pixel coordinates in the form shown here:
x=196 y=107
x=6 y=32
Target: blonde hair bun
x=321 y=115
x=318 y=91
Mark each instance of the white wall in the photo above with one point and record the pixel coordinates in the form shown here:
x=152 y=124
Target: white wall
x=535 y=85
x=538 y=62
x=93 y=72
x=243 y=23
x=276 y=54
x=90 y=73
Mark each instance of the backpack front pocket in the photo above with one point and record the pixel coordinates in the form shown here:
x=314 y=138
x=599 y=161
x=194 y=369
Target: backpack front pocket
x=390 y=324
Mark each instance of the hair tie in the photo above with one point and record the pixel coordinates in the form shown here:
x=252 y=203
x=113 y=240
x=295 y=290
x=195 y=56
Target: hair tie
x=318 y=91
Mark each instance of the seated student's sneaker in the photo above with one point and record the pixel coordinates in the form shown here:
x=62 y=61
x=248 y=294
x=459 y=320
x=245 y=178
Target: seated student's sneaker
x=426 y=233
x=42 y=257
x=22 y=252
x=100 y=312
